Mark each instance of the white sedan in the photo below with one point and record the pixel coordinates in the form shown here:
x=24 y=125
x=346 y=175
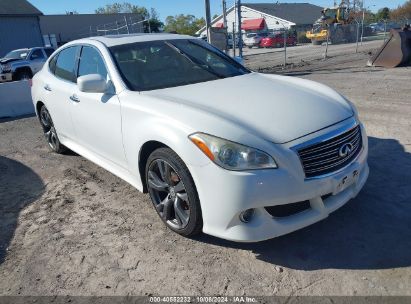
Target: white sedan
x=220 y=149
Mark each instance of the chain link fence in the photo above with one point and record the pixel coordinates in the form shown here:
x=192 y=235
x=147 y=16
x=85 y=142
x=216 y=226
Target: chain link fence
x=345 y=40
x=126 y=25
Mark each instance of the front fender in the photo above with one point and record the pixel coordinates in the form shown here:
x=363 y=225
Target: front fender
x=141 y=125
x=21 y=65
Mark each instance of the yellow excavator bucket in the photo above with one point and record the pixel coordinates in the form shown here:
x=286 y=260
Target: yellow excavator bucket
x=395 y=51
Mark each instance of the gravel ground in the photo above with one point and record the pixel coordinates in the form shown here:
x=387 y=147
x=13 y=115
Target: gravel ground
x=68 y=227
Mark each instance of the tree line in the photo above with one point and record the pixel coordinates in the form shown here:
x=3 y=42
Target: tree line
x=190 y=24
x=181 y=24
x=401 y=13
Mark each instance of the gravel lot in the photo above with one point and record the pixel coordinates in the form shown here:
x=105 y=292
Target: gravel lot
x=68 y=227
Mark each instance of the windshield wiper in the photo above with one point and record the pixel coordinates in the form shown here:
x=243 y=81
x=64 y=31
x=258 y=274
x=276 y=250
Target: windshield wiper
x=195 y=61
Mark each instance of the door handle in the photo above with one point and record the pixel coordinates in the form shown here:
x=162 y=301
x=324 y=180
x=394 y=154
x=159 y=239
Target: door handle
x=47 y=88
x=74 y=98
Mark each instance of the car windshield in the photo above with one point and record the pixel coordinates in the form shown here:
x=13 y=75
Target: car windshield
x=20 y=54
x=155 y=65
x=251 y=35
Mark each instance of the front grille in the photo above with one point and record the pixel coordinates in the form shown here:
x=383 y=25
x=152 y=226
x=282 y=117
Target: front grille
x=328 y=156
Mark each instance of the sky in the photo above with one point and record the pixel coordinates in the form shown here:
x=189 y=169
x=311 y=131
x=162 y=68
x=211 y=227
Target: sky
x=173 y=7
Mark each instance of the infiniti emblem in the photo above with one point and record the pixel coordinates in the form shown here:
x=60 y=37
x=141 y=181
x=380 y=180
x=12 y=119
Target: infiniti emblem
x=345 y=150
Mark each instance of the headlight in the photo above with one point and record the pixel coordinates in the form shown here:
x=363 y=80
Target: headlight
x=230 y=155
x=5 y=67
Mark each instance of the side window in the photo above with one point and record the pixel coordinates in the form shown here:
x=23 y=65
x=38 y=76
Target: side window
x=91 y=63
x=66 y=63
x=49 y=52
x=52 y=63
x=37 y=54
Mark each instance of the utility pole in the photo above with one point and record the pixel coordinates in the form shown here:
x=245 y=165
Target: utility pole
x=234 y=40
x=225 y=24
x=128 y=29
x=208 y=20
x=240 y=34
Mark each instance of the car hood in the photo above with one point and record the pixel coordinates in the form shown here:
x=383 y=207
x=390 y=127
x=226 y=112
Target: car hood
x=8 y=60
x=278 y=108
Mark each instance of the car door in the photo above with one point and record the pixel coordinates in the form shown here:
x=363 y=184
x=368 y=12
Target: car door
x=37 y=59
x=97 y=116
x=59 y=83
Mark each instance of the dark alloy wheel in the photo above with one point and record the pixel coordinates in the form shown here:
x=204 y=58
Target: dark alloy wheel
x=50 y=131
x=173 y=193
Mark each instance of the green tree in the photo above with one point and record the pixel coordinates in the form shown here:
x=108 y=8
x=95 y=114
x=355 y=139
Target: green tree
x=152 y=21
x=382 y=14
x=125 y=7
x=184 y=24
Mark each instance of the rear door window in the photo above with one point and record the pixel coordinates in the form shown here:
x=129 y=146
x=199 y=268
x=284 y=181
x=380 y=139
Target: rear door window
x=52 y=64
x=66 y=64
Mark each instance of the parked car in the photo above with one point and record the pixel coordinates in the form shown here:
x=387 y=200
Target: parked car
x=277 y=40
x=23 y=63
x=236 y=154
x=254 y=39
x=230 y=41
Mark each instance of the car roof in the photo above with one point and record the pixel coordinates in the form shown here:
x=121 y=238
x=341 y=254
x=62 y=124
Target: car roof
x=113 y=40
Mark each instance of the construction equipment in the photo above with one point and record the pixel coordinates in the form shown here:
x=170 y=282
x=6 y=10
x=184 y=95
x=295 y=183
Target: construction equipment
x=395 y=51
x=335 y=24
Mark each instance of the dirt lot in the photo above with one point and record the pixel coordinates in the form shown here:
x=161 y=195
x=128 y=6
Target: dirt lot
x=68 y=227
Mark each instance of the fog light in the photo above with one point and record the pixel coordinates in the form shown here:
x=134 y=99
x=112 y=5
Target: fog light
x=247 y=215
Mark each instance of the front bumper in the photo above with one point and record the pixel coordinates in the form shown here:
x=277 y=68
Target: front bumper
x=5 y=77
x=225 y=194
x=251 y=44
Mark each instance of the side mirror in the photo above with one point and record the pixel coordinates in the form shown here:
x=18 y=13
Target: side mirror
x=93 y=83
x=240 y=60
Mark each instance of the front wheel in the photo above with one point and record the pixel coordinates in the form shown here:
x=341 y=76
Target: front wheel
x=22 y=75
x=50 y=131
x=173 y=192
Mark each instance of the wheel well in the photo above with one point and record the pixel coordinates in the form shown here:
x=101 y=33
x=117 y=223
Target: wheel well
x=27 y=69
x=145 y=152
x=38 y=107
x=39 y=104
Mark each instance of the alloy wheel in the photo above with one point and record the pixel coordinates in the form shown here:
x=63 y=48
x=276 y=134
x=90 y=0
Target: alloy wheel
x=49 y=130
x=168 y=194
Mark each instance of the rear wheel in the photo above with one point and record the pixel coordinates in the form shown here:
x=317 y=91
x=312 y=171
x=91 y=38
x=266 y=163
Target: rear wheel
x=173 y=193
x=50 y=131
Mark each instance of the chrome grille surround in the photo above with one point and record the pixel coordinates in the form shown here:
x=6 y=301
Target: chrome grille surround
x=326 y=157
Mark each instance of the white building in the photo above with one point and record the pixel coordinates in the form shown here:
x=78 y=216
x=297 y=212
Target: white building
x=270 y=17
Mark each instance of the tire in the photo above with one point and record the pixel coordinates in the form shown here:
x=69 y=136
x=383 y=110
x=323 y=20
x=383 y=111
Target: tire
x=173 y=192
x=23 y=75
x=50 y=131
